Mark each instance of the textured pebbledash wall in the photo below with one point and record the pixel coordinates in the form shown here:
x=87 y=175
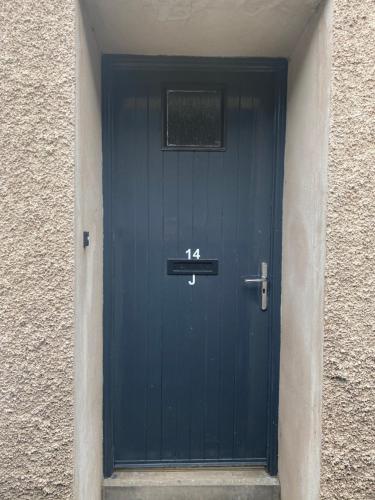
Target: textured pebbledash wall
x=348 y=448
x=37 y=248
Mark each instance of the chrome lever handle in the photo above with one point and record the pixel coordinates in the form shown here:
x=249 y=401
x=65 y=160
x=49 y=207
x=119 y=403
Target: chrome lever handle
x=253 y=280
x=263 y=282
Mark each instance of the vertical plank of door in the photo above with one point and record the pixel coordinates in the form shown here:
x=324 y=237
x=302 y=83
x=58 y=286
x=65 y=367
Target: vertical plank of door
x=248 y=307
x=170 y=304
x=215 y=196
x=185 y=311
x=199 y=303
x=122 y=250
x=263 y=180
x=156 y=277
x=229 y=267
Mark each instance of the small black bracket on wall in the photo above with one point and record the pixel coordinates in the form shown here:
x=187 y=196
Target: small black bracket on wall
x=86 y=239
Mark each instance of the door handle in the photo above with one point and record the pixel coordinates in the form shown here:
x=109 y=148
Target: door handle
x=262 y=281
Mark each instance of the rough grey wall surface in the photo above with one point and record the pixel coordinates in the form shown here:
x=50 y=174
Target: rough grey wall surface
x=36 y=252
x=349 y=347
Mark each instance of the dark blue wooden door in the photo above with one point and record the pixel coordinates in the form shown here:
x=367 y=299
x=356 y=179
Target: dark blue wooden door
x=189 y=356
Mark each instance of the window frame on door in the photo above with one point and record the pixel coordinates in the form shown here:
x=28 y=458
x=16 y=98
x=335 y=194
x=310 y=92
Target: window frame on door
x=192 y=87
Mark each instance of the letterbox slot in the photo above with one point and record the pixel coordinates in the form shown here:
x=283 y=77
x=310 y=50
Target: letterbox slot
x=206 y=267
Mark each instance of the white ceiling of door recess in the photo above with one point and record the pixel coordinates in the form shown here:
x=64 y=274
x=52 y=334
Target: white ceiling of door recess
x=199 y=27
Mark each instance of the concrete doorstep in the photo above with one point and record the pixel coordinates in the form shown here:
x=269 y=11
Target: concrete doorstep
x=192 y=484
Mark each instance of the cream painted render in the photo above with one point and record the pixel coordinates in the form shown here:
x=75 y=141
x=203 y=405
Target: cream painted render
x=89 y=267
x=305 y=191
x=50 y=321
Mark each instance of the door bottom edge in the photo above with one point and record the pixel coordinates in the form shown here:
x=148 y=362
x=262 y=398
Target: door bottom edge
x=206 y=464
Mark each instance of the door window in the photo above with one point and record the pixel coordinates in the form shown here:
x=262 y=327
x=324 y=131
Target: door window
x=193 y=119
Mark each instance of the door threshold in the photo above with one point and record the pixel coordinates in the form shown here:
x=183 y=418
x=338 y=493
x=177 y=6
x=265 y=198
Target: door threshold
x=245 y=483
x=191 y=468
x=192 y=464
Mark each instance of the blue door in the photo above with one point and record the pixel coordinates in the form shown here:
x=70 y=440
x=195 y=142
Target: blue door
x=193 y=170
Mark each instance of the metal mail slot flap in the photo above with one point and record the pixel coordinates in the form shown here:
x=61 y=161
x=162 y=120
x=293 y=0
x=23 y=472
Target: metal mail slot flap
x=207 y=267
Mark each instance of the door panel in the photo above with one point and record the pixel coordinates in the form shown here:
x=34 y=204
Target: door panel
x=190 y=365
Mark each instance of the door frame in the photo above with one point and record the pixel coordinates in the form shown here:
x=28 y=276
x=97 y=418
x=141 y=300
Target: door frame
x=111 y=65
